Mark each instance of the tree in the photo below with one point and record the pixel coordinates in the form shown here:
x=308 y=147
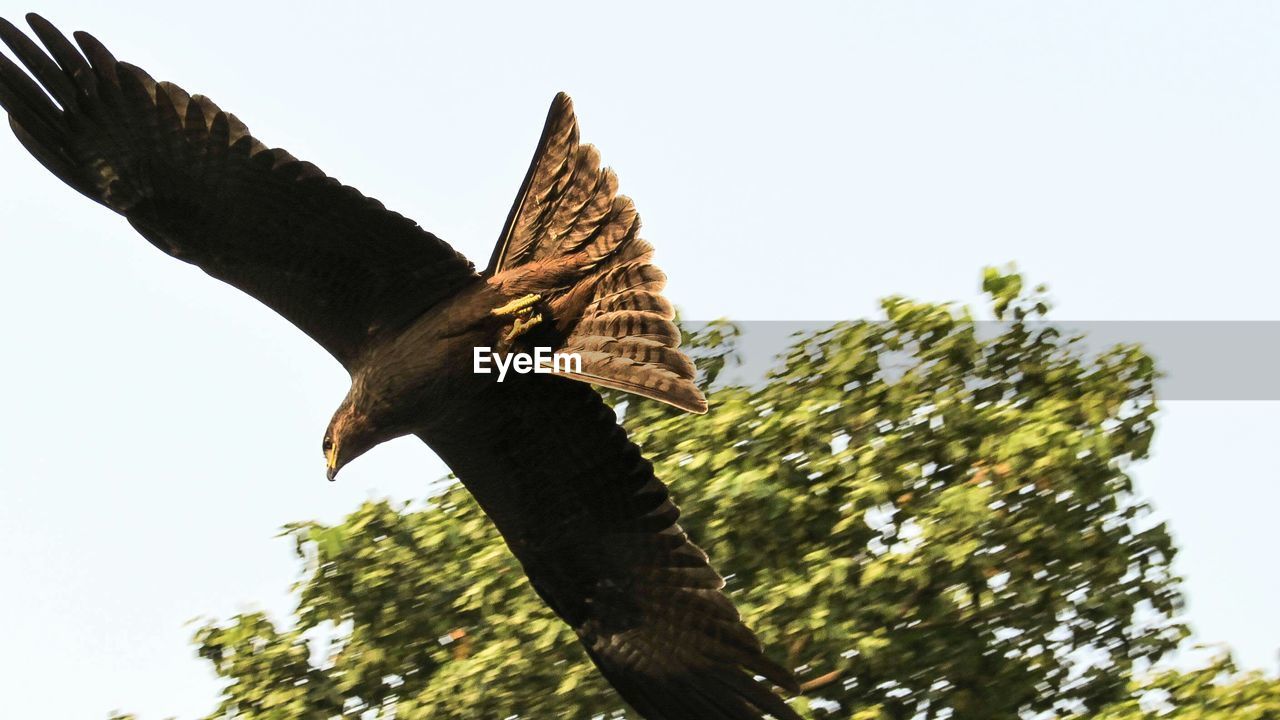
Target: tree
x=1219 y=690
x=924 y=518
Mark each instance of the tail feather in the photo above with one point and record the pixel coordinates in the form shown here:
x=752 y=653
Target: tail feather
x=630 y=324
x=636 y=301
x=639 y=378
x=639 y=351
x=574 y=241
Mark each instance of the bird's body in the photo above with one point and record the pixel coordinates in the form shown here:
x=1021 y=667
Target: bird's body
x=422 y=376
x=404 y=313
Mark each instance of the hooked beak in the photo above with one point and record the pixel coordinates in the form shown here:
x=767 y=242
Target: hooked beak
x=331 y=458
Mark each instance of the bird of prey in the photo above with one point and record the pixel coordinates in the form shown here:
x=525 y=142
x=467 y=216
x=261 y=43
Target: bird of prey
x=574 y=499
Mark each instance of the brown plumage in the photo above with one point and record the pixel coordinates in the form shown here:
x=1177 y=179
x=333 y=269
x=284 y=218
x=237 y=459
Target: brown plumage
x=402 y=311
x=574 y=240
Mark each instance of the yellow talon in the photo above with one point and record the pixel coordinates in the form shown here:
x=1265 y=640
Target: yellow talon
x=515 y=307
x=521 y=326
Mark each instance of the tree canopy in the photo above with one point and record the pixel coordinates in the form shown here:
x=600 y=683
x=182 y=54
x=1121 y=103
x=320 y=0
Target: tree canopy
x=926 y=515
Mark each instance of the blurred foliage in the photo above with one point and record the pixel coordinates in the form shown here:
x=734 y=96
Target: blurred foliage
x=925 y=522
x=1217 y=691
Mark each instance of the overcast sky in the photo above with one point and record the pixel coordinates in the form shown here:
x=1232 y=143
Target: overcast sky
x=159 y=427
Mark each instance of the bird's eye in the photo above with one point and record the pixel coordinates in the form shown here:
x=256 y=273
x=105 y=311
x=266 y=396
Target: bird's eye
x=328 y=444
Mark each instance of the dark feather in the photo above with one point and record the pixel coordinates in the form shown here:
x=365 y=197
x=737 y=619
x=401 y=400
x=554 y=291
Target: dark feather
x=195 y=183
x=604 y=551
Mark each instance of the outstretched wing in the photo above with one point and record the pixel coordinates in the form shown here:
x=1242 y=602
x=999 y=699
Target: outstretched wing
x=596 y=533
x=194 y=182
x=575 y=241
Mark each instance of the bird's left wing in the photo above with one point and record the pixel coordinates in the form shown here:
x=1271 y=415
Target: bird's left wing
x=193 y=181
x=596 y=533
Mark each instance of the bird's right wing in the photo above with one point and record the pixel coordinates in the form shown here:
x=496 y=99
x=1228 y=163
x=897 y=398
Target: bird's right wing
x=194 y=182
x=596 y=533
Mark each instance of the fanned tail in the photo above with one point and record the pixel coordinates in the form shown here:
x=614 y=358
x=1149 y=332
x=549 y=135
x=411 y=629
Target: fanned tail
x=573 y=241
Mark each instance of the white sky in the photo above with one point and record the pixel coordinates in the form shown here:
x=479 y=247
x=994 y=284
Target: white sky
x=159 y=427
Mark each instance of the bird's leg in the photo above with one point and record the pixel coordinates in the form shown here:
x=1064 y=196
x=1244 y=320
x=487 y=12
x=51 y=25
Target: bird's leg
x=524 y=317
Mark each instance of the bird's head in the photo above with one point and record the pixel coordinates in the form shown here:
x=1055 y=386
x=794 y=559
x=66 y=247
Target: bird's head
x=350 y=434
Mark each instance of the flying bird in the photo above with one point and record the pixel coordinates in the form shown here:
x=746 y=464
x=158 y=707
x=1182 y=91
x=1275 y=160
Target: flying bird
x=595 y=531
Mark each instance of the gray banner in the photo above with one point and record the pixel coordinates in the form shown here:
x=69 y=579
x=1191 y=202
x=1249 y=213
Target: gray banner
x=1198 y=360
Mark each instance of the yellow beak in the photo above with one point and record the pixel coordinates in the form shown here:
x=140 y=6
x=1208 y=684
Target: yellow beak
x=331 y=457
